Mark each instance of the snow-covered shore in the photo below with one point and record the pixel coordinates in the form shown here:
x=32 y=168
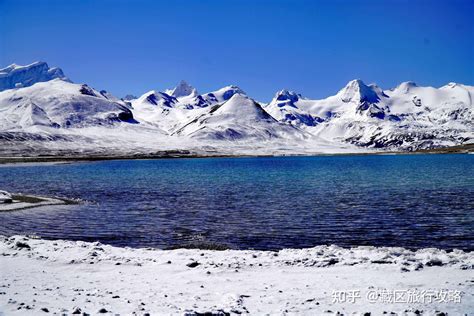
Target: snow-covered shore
x=39 y=276
x=21 y=202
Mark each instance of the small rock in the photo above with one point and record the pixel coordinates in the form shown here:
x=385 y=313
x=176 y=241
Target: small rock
x=102 y=311
x=20 y=244
x=44 y=309
x=434 y=262
x=193 y=264
x=76 y=311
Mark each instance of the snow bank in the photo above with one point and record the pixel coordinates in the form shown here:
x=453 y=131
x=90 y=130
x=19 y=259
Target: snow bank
x=21 y=202
x=66 y=276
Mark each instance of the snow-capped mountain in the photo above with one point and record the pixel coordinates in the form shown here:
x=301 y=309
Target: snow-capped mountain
x=238 y=118
x=222 y=95
x=354 y=99
x=59 y=104
x=160 y=110
x=15 y=76
x=40 y=99
x=183 y=89
x=171 y=109
x=407 y=117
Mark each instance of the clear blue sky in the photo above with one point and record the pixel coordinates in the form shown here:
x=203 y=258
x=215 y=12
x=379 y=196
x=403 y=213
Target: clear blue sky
x=312 y=47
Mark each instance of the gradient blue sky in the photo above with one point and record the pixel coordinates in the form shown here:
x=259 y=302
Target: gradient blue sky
x=312 y=47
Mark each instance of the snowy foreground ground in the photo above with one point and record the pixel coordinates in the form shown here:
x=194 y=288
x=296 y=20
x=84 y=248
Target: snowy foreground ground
x=64 y=277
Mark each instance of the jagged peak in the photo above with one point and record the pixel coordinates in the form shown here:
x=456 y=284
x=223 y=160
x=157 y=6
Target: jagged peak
x=15 y=67
x=355 y=83
x=357 y=91
x=287 y=95
x=19 y=76
x=183 y=89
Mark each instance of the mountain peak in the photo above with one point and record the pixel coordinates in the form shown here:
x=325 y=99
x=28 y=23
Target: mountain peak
x=17 y=76
x=237 y=102
x=243 y=107
x=356 y=83
x=223 y=94
x=183 y=89
x=287 y=95
x=357 y=91
x=230 y=91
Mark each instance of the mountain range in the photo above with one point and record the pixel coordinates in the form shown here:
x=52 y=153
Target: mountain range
x=40 y=109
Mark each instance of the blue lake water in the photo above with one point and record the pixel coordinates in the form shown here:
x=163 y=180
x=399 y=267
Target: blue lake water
x=411 y=201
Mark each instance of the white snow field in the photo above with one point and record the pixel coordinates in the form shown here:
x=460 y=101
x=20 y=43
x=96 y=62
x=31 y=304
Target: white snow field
x=66 y=277
x=43 y=112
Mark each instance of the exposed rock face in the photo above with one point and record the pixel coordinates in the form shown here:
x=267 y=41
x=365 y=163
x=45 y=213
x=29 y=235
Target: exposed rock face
x=183 y=89
x=15 y=76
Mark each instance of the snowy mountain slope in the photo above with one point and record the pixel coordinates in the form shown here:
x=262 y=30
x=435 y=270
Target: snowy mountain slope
x=222 y=95
x=15 y=76
x=407 y=117
x=239 y=118
x=59 y=104
x=163 y=111
x=356 y=100
x=171 y=109
x=285 y=107
x=187 y=96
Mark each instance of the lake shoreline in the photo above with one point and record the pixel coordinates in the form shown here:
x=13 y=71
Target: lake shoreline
x=58 y=276
x=28 y=201
x=57 y=159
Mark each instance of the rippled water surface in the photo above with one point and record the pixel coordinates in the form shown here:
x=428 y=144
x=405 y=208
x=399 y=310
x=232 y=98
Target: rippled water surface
x=262 y=203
